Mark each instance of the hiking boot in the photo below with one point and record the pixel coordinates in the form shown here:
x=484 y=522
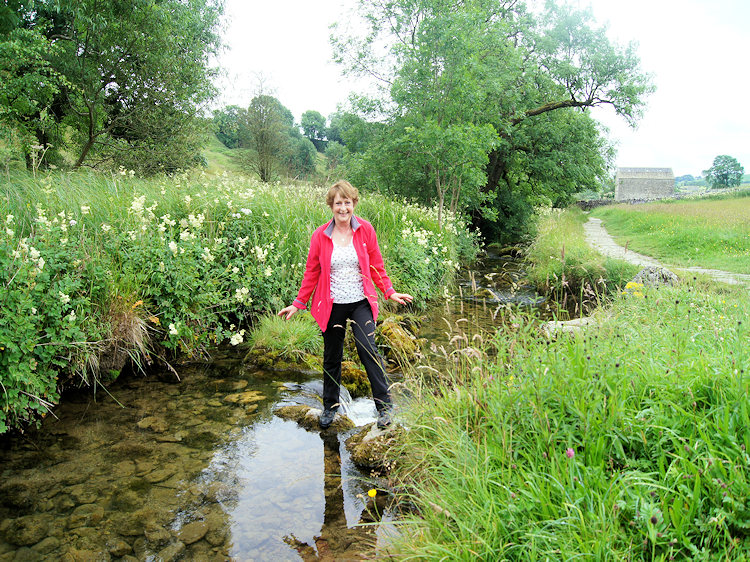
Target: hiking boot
x=384 y=418
x=326 y=418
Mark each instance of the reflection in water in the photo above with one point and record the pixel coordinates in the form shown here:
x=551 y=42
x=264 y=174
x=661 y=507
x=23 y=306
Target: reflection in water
x=336 y=539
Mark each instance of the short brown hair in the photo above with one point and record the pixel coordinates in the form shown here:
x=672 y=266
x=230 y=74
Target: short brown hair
x=345 y=189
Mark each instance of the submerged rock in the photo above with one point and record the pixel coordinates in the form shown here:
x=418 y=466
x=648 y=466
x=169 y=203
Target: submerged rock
x=193 y=532
x=371 y=448
x=26 y=530
x=154 y=423
x=244 y=398
x=307 y=417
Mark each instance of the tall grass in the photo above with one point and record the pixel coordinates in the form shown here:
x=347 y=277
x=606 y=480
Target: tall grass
x=626 y=442
x=712 y=232
x=95 y=265
x=562 y=264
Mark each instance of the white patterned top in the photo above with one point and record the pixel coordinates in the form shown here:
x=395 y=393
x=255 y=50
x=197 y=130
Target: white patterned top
x=346 y=279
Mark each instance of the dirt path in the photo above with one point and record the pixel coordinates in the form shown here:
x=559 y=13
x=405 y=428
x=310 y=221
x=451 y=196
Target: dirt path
x=601 y=241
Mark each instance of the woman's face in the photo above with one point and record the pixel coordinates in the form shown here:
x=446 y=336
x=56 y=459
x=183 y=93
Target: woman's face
x=343 y=209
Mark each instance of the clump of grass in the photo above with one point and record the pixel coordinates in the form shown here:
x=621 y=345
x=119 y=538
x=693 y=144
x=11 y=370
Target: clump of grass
x=289 y=338
x=627 y=441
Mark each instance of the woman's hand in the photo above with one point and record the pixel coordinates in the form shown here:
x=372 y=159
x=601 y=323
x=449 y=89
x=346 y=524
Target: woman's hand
x=288 y=312
x=401 y=298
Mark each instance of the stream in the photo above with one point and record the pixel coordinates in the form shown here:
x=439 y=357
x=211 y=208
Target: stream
x=200 y=468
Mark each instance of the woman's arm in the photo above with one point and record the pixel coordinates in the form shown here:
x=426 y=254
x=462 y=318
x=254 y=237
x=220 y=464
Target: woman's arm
x=309 y=281
x=380 y=277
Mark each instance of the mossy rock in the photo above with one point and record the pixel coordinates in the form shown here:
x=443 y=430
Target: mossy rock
x=371 y=448
x=398 y=342
x=274 y=361
x=355 y=379
x=308 y=417
x=503 y=250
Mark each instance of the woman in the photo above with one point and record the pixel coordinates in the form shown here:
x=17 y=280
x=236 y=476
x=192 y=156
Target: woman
x=344 y=266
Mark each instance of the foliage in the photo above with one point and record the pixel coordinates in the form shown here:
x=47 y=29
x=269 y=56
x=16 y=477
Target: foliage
x=724 y=172
x=28 y=85
x=167 y=266
x=709 y=232
x=313 y=125
x=458 y=71
x=120 y=83
x=626 y=442
x=227 y=123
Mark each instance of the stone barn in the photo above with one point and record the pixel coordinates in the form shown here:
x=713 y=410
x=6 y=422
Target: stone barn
x=644 y=183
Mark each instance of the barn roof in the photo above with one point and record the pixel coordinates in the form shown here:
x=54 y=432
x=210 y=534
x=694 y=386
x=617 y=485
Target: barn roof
x=661 y=173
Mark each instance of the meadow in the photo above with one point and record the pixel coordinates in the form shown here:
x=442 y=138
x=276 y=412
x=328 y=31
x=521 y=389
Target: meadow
x=711 y=232
x=96 y=267
x=626 y=441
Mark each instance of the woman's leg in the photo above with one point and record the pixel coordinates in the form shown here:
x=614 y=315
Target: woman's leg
x=363 y=327
x=333 y=354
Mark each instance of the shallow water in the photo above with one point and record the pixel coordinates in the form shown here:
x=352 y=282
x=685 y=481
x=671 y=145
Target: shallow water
x=200 y=468
x=180 y=471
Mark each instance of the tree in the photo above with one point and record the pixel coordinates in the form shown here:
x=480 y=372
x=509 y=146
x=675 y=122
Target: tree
x=725 y=172
x=264 y=133
x=28 y=86
x=313 y=125
x=459 y=67
x=227 y=125
x=134 y=76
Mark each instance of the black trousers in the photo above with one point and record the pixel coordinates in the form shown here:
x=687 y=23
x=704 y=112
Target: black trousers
x=363 y=328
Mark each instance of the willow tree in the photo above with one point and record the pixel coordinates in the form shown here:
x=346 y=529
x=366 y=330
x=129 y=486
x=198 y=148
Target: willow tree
x=468 y=66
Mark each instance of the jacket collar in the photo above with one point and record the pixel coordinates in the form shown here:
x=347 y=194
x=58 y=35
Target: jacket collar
x=329 y=229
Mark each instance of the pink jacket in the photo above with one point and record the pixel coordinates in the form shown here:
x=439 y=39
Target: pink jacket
x=318 y=270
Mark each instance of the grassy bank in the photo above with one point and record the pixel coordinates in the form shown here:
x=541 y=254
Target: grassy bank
x=564 y=266
x=712 y=232
x=625 y=442
x=94 y=267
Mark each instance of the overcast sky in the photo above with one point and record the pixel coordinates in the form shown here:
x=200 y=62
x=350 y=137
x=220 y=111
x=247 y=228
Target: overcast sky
x=696 y=50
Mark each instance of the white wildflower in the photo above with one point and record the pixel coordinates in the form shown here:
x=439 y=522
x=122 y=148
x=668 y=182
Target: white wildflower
x=106 y=227
x=173 y=329
x=173 y=247
x=65 y=299
x=72 y=316
x=85 y=209
x=236 y=339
